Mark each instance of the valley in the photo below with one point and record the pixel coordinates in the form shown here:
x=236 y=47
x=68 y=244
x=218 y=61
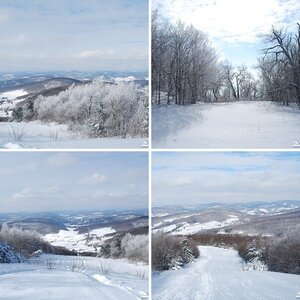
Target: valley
x=21 y=93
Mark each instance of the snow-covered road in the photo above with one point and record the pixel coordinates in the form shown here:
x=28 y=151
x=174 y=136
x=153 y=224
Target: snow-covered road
x=218 y=274
x=239 y=125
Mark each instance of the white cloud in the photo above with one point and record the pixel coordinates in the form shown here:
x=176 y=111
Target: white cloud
x=97 y=54
x=231 y=20
x=3 y=17
x=25 y=193
x=206 y=177
x=15 y=41
x=61 y=160
x=28 y=167
x=94 y=179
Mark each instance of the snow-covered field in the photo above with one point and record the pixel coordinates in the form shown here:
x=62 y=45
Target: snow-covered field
x=53 y=136
x=238 y=125
x=72 y=240
x=218 y=274
x=187 y=229
x=13 y=94
x=66 y=277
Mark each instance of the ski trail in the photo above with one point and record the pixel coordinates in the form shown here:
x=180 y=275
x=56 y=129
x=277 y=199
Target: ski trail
x=217 y=274
x=238 y=125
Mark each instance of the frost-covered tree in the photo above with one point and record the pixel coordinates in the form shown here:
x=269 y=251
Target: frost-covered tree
x=25 y=242
x=280 y=66
x=186 y=252
x=170 y=252
x=135 y=247
x=98 y=109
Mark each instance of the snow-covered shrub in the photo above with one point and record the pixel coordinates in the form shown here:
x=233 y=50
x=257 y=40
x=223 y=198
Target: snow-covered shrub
x=115 y=246
x=105 y=250
x=78 y=265
x=132 y=247
x=28 y=110
x=100 y=109
x=17 y=133
x=104 y=266
x=170 y=252
x=7 y=255
x=283 y=253
x=25 y=242
x=254 y=256
x=135 y=247
x=37 y=253
x=17 y=114
x=189 y=251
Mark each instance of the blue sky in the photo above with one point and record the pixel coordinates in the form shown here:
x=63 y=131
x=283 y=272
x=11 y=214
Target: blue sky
x=74 y=35
x=234 y=26
x=52 y=181
x=196 y=178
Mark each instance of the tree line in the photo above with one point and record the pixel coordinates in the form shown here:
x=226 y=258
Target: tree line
x=186 y=68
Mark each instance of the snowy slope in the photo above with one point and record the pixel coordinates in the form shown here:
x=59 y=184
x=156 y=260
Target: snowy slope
x=57 y=136
x=11 y=95
x=33 y=280
x=72 y=240
x=228 y=125
x=217 y=274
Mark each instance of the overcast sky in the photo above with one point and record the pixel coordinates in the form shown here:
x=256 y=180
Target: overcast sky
x=73 y=35
x=44 y=181
x=233 y=25
x=197 y=178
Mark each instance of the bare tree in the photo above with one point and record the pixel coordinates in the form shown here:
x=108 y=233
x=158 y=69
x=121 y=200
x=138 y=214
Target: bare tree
x=280 y=65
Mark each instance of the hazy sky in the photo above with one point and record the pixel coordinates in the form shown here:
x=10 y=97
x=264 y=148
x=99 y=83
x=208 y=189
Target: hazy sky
x=196 y=178
x=233 y=25
x=73 y=35
x=44 y=181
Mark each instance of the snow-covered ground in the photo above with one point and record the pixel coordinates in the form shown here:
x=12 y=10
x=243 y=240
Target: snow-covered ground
x=53 y=136
x=237 y=125
x=72 y=240
x=66 y=277
x=187 y=228
x=218 y=274
x=13 y=94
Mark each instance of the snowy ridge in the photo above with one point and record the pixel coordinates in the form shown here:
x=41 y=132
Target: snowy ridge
x=249 y=218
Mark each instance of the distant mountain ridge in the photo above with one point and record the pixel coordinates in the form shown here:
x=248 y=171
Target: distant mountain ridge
x=267 y=218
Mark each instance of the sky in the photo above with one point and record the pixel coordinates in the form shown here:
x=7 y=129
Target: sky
x=63 y=35
x=228 y=177
x=57 y=181
x=235 y=27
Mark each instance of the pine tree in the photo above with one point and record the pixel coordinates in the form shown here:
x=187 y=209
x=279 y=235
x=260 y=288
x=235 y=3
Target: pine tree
x=105 y=251
x=187 y=253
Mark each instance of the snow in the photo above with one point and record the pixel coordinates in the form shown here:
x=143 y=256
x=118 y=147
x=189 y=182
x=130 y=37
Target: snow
x=102 y=231
x=238 y=125
x=13 y=94
x=33 y=280
x=166 y=229
x=57 y=136
x=184 y=228
x=126 y=79
x=196 y=227
x=218 y=274
x=72 y=240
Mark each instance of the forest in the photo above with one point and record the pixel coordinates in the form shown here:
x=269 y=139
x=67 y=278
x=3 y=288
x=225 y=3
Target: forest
x=186 y=68
x=95 y=109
